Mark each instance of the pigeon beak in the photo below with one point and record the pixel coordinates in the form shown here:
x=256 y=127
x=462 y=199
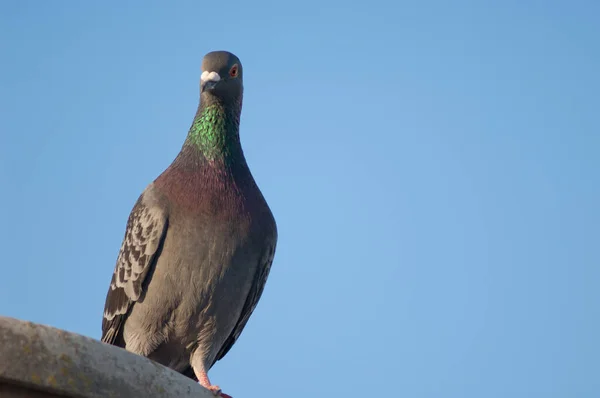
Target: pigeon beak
x=209 y=80
x=209 y=86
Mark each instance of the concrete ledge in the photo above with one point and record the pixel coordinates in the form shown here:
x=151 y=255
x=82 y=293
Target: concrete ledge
x=41 y=361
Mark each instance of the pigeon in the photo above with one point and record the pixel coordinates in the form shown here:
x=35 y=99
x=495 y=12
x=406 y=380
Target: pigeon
x=198 y=245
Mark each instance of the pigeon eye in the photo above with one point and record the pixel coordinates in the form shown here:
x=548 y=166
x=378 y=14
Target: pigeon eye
x=233 y=72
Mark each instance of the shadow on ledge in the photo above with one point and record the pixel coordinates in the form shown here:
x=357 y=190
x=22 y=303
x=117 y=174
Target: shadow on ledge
x=39 y=361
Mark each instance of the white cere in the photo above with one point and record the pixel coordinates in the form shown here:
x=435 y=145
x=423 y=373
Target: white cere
x=210 y=76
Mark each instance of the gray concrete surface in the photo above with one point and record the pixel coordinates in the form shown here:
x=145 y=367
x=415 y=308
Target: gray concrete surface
x=40 y=361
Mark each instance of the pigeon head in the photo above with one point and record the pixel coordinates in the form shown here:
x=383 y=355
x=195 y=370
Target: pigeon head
x=221 y=78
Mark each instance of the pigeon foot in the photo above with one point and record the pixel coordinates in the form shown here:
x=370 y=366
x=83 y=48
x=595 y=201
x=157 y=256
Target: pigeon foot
x=216 y=390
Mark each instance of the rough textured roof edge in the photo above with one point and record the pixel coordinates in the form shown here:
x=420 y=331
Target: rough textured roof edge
x=44 y=358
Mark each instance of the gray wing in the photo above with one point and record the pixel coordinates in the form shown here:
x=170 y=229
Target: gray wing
x=256 y=290
x=144 y=235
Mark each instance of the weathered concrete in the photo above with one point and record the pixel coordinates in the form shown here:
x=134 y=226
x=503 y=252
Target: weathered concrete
x=41 y=362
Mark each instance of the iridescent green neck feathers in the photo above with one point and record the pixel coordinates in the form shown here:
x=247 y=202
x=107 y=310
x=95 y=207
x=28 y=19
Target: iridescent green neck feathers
x=215 y=132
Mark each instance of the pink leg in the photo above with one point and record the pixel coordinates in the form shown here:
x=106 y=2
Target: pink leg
x=204 y=382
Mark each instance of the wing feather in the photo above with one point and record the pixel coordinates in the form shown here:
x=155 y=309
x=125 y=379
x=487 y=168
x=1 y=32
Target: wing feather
x=144 y=235
x=260 y=279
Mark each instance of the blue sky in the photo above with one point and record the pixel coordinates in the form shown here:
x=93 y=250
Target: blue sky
x=433 y=168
